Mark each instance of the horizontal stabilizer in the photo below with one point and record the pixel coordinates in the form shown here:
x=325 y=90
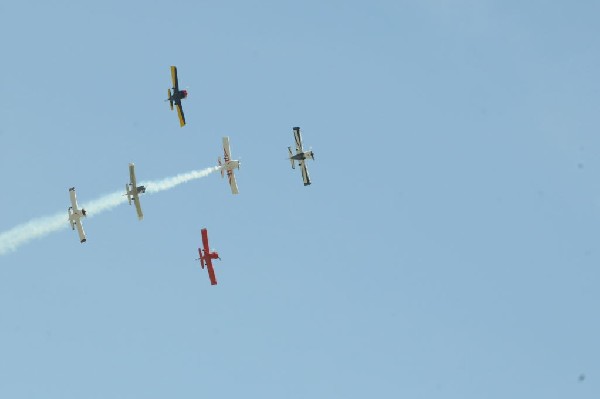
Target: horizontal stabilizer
x=201 y=258
x=292 y=159
x=128 y=193
x=220 y=164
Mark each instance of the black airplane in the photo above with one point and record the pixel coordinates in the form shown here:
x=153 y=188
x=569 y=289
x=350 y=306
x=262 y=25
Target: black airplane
x=176 y=96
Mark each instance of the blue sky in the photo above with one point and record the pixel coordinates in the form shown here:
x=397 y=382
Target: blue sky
x=447 y=247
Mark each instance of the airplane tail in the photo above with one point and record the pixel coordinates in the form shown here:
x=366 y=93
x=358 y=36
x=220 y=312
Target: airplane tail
x=70 y=212
x=292 y=159
x=128 y=193
x=220 y=164
x=71 y=222
x=310 y=155
x=201 y=258
x=170 y=100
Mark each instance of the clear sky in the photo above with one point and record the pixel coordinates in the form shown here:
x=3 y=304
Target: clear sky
x=447 y=248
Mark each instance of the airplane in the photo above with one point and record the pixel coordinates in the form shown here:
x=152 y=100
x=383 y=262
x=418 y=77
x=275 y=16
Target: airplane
x=301 y=156
x=229 y=165
x=177 y=96
x=206 y=257
x=75 y=215
x=132 y=190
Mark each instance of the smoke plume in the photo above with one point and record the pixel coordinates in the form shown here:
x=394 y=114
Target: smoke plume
x=12 y=239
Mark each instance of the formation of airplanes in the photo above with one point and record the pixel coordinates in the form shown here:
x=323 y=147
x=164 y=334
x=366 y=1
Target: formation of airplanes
x=227 y=165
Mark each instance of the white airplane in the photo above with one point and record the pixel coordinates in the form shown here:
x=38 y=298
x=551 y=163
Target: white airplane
x=301 y=156
x=132 y=190
x=229 y=166
x=75 y=215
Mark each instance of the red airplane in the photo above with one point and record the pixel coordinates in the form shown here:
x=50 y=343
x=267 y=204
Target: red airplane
x=206 y=257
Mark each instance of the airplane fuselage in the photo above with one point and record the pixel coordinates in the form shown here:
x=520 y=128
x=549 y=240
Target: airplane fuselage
x=230 y=165
x=139 y=189
x=303 y=155
x=76 y=215
x=204 y=255
x=178 y=95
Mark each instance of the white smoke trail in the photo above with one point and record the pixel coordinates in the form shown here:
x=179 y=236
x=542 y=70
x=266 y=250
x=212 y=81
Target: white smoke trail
x=104 y=203
x=11 y=239
x=170 y=182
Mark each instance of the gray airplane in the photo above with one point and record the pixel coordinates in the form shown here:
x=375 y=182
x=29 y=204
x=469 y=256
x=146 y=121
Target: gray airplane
x=75 y=215
x=301 y=156
x=133 y=191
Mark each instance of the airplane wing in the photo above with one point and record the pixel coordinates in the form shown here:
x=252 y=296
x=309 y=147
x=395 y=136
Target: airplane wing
x=298 y=138
x=305 y=176
x=232 y=182
x=80 y=230
x=174 y=78
x=226 y=148
x=205 y=240
x=132 y=175
x=180 y=114
x=73 y=199
x=211 y=272
x=138 y=207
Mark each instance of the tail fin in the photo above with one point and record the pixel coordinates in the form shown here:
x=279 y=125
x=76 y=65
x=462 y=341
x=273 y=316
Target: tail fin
x=292 y=159
x=310 y=155
x=127 y=192
x=170 y=100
